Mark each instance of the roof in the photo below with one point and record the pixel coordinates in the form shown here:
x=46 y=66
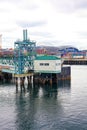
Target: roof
x=68 y=49
x=46 y=57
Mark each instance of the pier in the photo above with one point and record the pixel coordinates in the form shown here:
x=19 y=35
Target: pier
x=73 y=61
x=25 y=64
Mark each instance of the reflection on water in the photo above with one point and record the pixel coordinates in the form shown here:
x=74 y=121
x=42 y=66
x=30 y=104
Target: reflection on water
x=58 y=107
x=37 y=108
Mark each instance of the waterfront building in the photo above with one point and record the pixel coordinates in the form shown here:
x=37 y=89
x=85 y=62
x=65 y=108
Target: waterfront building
x=47 y=64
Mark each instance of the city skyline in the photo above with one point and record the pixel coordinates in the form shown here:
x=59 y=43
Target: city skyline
x=54 y=23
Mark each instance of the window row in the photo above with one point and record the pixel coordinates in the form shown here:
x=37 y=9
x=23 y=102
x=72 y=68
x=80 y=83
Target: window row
x=44 y=64
x=47 y=64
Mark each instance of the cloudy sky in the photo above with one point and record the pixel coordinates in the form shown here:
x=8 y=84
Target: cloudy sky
x=49 y=22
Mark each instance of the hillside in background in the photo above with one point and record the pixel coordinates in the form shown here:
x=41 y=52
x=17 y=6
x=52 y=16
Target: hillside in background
x=55 y=50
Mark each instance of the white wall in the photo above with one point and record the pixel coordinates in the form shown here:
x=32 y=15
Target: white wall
x=58 y=65
x=54 y=65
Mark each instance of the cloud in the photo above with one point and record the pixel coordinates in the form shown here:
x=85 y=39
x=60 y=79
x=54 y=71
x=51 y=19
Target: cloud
x=53 y=42
x=80 y=4
x=7 y=5
x=29 y=5
x=42 y=34
x=82 y=35
x=68 y=6
x=28 y=24
x=11 y=1
x=24 y=4
x=56 y=22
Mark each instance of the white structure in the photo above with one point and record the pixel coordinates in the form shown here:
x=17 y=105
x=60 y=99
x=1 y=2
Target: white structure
x=0 y=41
x=47 y=64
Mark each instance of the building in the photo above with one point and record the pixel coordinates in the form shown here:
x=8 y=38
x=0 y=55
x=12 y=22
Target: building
x=48 y=70
x=0 y=41
x=47 y=64
x=66 y=49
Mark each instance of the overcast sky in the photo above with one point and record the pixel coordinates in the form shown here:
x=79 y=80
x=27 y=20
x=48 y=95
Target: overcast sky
x=49 y=22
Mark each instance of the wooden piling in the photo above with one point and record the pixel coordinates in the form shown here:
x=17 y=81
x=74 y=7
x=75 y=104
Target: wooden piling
x=22 y=87
x=22 y=77
x=16 y=83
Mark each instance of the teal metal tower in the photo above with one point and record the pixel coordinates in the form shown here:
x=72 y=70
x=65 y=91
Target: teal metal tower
x=24 y=55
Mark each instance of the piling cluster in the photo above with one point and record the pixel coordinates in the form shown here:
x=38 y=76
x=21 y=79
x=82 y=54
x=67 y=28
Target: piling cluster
x=36 y=78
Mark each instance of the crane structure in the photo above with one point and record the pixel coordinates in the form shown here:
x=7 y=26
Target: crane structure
x=24 y=55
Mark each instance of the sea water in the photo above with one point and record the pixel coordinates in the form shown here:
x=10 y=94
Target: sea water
x=58 y=107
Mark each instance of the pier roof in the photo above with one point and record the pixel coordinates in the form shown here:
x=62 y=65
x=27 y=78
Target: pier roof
x=47 y=57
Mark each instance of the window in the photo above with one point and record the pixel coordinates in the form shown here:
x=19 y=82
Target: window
x=41 y=64
x=44 y=64
x=57 y=64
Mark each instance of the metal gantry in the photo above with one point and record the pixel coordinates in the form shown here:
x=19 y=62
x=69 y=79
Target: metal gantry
x=7 y=64
x=24 y=55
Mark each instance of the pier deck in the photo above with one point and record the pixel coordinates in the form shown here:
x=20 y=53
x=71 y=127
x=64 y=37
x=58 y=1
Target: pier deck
x=75 y=61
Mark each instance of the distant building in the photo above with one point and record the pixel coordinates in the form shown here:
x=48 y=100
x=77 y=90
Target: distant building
x=0 y=41
x=65 y=49
x=47 y=64
x=40 y=51
x=70 y=52
x=62 y=51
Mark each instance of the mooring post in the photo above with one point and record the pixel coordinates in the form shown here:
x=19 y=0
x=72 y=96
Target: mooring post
x=21 y=83
x=16 y=82
x=22 y=80
x=51 y=80
x=30 y=79
x=29 y=82
x=57 y=79
x=2 y=78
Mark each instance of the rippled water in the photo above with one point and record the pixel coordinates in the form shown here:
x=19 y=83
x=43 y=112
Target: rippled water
x=62 y=107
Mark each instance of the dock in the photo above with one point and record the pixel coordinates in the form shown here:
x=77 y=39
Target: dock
x=24 y=64
x=73 y=61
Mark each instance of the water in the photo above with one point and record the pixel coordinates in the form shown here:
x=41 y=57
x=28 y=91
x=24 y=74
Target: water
x=46 y=108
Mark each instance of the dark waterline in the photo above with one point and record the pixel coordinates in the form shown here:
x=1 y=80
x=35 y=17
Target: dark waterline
x=62 y=107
